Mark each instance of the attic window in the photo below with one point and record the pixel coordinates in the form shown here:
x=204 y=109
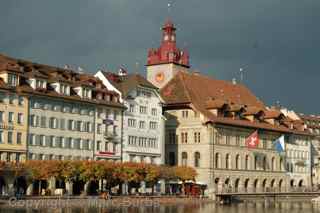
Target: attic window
x=41 y=84
x=12 y=79
x=86 y=93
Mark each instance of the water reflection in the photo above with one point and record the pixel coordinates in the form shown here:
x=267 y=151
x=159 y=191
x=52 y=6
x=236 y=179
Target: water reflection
x=246 y=207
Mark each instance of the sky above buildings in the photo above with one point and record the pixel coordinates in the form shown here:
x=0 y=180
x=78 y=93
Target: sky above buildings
x=276 y=42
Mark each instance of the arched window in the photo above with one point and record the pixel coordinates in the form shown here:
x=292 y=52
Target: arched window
x=281 y=164
x=238 y=162
x=247 y=162
x=218 y=161
x=184 y=159
x=256 y=162
x=196 y=159
x=264 y=163
x=273 y=164
x=228 y=161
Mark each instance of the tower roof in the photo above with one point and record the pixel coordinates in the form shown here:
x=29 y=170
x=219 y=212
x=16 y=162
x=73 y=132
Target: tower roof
x=168 y=52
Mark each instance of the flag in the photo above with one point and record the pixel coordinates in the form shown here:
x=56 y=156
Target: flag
x=253 y=140
x=279 y=144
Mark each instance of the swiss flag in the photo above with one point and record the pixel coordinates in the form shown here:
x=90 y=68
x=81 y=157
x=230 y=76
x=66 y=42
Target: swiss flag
x=253 y=140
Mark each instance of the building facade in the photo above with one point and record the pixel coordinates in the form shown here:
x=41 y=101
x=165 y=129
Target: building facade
x=64 y=111
x=13 y=115
x=208 y=121
x=143 y=125
x=312 y=124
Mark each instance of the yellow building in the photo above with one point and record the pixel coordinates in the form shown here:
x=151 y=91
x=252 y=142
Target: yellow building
x=13 y=115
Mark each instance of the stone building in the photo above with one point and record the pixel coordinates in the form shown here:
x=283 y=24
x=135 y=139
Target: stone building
x=67 y=113
x=312 y=124
x=143 y=125
x=208 y=121
x=13 y=113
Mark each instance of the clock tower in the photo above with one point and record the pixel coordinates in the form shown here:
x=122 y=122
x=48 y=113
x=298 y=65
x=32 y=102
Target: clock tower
x=164 y=63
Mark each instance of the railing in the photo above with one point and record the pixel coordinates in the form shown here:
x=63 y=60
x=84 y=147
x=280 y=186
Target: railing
x=266 y=190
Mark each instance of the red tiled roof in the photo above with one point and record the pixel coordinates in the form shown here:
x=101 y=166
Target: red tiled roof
x=202 y=93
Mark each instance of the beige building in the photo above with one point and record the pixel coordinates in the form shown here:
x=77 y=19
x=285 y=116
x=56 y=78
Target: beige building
x=208 y=121
x=13 y=115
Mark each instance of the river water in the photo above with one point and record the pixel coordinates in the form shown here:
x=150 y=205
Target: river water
x=248 y=207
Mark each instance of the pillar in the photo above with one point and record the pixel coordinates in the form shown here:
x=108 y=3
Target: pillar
x=30 y=189
x=69 y=187
x=52 y=185
x=142 y=188
x=162 y=186
x=86 y=188
x=124 y=188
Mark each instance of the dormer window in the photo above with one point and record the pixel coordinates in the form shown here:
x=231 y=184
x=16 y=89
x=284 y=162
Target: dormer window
x=40 y=84
x=64 y=89
x=12 y=79
x=86 y=93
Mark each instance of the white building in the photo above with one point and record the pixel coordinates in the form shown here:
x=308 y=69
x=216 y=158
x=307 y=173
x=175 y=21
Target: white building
x=143 y=124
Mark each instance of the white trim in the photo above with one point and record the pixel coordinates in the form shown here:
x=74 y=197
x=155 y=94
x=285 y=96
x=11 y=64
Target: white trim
x=107 y=84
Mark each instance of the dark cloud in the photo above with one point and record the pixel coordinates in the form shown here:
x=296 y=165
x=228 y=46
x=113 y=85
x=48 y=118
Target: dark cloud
x=277 y=42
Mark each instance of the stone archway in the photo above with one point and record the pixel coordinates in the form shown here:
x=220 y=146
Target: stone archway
x=272 y=185
x=227 y=185
x=301 y=185
x=280 y=185
x=264 y=185
x=246 y=185
x=237 y=185
x=20 y=185
x=217 y=184
x=2 y=186
x=256 y=185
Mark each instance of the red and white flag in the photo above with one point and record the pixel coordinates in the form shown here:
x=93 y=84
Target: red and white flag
x=253 y=140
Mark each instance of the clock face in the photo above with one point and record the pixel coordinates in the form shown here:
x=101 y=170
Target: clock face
x=159 y=77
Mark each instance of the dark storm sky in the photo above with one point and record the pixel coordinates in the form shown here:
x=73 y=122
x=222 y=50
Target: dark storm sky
x=277 y=42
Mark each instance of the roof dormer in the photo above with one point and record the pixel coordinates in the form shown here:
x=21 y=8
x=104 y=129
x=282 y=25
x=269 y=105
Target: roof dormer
x=83 y=92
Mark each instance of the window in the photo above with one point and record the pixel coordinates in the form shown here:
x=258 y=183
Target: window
x=172 y=137
x=64 y=89
x=153 y=125
x=228 y=161
x=10 y=137
x=31 y=140
x=131 y=122
x=184 y=137
x=143 y=110
x=172 y=158
x=19 y=138
x=196 y=159
x=197 y=137
x=85 y=144
x=1 y=136
x=62 y=124
x=154 y=111
x=12 y=79
x=78 y=125
x=131 y=108
x=99 y=126
x=86 y=93
x=237 y=140
x=184 y=113
x=238 y=162
x=20 y=118
x=115 y=115
x=11 y=99
x=10 y=117
x=1 y=116
x=98 y=145
x=2 y=97
x=76 y=144
x=70 y=124
x=228 y=139
x=53 y=123
x=42 y=140
x=142 y=124
x=20 y=101
x=184 y=159
x=68 y=143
